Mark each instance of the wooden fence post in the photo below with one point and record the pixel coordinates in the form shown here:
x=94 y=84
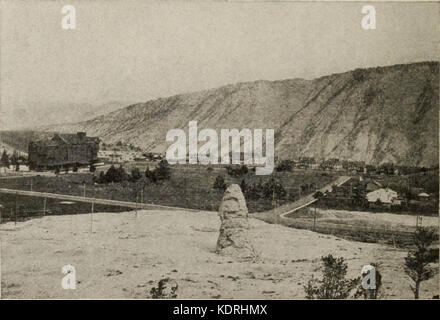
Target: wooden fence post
x=136 y=210
x=44 y=206
x=16 y=207
x=314 y=219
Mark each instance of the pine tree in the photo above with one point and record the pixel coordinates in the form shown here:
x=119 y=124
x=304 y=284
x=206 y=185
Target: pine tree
x=150 y=175
x=135 y=174
x=163 y=171
x=5 y=159
x=273 y=188
x=14 y=160
x=417 y=263
x=244 y=186
x=219 y=183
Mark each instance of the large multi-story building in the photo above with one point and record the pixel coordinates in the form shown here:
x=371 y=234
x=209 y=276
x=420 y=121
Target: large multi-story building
x=63 y=150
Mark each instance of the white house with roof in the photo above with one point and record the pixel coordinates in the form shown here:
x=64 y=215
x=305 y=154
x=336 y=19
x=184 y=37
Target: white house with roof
x=385 y=195
x=423 y=196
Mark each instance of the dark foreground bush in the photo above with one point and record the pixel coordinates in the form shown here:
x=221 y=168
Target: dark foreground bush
x=166 y=289
x=333 y=284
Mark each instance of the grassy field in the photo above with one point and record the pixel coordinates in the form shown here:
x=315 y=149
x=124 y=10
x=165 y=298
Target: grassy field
x=389 y=228
x=190 y=186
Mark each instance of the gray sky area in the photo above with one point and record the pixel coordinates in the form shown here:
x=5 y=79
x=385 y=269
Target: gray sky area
x=141 y=50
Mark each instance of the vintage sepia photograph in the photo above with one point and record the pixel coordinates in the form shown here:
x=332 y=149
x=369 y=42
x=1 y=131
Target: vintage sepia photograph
x=219 y=150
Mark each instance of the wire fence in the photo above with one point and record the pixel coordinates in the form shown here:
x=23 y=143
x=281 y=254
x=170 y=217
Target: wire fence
x=22 y=208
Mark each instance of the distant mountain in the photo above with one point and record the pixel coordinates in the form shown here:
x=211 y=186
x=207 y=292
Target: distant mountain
x=377 y=115
x=26 y=117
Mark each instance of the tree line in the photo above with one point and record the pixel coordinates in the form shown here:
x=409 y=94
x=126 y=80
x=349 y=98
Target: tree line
x=271 y=190
x=14 y=160
x=114 y=174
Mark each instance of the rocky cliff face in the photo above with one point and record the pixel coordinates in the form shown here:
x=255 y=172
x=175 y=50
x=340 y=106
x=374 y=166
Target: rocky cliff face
x=377 y=115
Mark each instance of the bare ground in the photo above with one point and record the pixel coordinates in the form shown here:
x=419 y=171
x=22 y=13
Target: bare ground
x=126 y=255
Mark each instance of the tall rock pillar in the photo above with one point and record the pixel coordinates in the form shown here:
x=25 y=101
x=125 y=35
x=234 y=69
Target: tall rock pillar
x=233 y=239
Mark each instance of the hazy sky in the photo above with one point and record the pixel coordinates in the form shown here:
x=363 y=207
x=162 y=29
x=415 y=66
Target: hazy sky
x=139 y=50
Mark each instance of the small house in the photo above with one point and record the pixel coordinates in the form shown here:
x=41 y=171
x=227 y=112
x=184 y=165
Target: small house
x=423 y=196
x=384 y=195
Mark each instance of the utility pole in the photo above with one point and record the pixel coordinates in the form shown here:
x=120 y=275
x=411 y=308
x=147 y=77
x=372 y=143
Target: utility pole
x=44 y=206
x=314 y=219
x=93 y=207
x=273 y=198
x=16 y=208
x=137 y=200
x=93 y=202
x=31 y=183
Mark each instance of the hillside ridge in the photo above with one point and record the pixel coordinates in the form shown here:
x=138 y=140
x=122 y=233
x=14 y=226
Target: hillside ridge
x=376 y=114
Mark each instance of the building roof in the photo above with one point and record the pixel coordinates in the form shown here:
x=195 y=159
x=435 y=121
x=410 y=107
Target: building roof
x=67 y=138
x=372 y=185
x=416 y=191
x=45 y=143
x=386 y=195
x=71 y=138
x=423 y=194
x=387 y=191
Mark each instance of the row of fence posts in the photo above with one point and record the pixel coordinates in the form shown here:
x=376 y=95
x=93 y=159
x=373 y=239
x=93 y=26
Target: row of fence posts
x=15 y=212
x=93 y=204
x=16 y=208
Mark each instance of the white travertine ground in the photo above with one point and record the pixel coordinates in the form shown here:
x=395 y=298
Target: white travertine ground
x=126 y=255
